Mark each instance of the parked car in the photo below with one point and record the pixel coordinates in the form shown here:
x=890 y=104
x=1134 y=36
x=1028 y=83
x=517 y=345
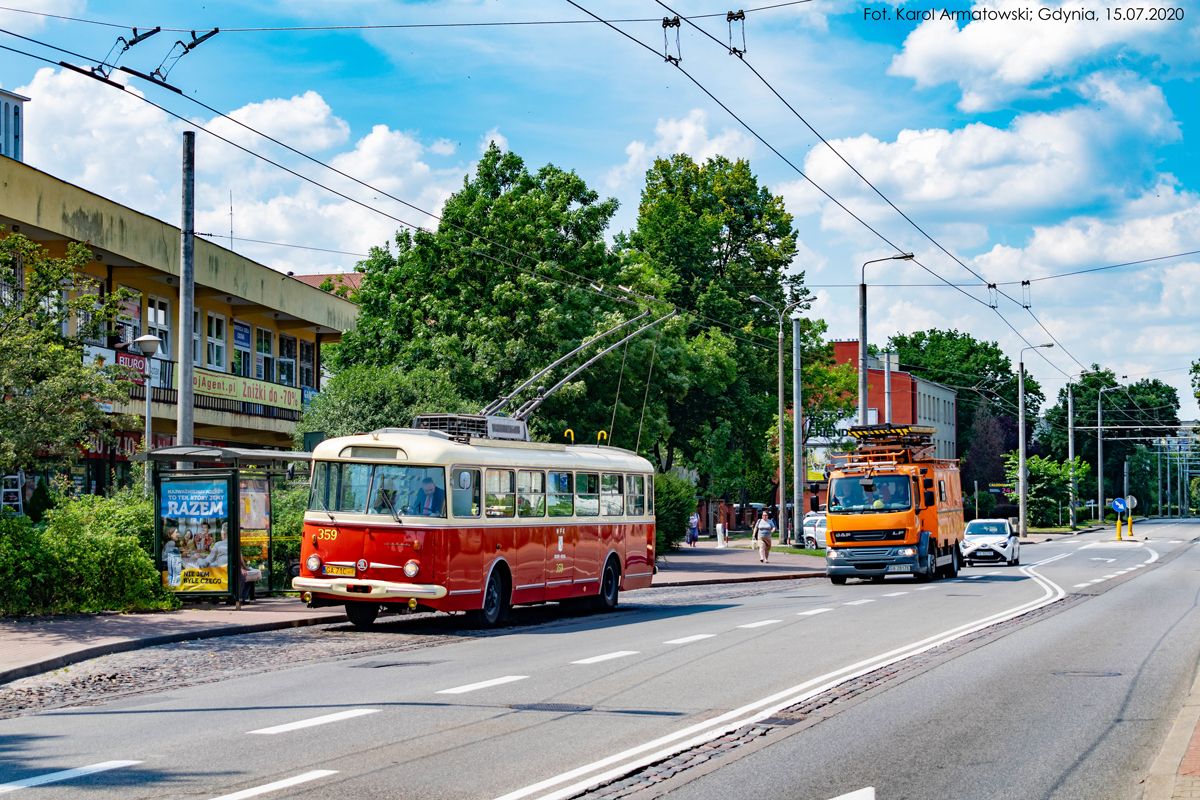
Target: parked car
x=990 y=541
x=814 y=531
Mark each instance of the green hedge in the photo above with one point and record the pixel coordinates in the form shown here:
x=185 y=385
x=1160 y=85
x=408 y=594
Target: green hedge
x=674 y=502
x=90 y=554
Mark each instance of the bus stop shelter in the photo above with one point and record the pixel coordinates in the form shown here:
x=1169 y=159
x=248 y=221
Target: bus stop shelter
x=214 y=528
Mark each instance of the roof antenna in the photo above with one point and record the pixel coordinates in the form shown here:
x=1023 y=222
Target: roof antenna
x=137 y=37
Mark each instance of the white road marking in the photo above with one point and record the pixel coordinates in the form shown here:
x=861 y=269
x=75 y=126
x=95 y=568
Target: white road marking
x=1109 y=560
x=606 y=657
x=64 y=775
x=858 y=602
x=862 y=794
x=923 y=588
x=997 y=572
x=1106 y=577
x=277 y=785
x=470 y=687
x=308 y=723
x=810 y=612
x=1098 y=580
x=1080 y=585
x=690 y=639
x=581 y=778
x=760 y=624
x=895 y=594
x=1175 y=541
x=974 y=577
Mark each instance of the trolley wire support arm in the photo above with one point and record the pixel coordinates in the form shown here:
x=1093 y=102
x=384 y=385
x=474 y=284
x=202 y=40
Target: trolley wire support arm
x=187 y=48
x=99 y=69
x=524 y=412
x=496 y=405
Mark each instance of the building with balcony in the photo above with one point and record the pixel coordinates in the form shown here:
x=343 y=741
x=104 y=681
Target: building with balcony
x=257 y=338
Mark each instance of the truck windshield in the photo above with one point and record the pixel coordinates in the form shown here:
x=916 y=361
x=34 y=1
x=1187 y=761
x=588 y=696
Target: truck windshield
x=377 y=489
x=880 y=493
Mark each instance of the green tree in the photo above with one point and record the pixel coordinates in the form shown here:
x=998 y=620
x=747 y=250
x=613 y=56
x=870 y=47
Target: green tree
x=1049 y=486
x=49 y=398
x=979 y=370
x=984 y=461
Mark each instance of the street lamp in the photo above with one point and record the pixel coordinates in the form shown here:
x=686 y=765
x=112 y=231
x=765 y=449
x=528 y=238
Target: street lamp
x=862 y=334
x=148 y=344
x=1071 y=440
x=783 y=536
x=1023 y=481
x=1100 y=449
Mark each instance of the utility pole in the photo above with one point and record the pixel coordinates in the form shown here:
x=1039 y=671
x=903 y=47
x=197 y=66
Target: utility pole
x=1022 y=479
x=782 y=494
x=799 y=473
x=1159 y=449
x=862 y=334
x=887 y=388
x=1071 y=446
x=184 y=431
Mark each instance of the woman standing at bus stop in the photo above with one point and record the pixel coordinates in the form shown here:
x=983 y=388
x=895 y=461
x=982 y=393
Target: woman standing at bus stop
x=762 y=531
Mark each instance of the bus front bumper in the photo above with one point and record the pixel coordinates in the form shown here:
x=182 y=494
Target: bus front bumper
x=878 y=561
x=383 y=591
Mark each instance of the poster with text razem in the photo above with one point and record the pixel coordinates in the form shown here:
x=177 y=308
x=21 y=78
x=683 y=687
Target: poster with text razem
x=195 y=535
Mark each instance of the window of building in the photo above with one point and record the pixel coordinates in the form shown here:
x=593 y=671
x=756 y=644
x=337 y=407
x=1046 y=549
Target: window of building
x=216 y=342
x=499 y=491
x=561 y=497
x=129 y=324
x=464 y=494
x=587 y=494
x=12 y=288
x=307 y=362
x=635 y=495
x=85 y=317
x=264 y=352
x=531 y=494
x=158 y=323
x=285 y=365
x=242 y=362
x=197 y=340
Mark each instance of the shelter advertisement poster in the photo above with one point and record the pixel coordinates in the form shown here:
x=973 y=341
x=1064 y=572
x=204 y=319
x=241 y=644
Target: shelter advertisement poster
x=195 y=534
x=254 y=498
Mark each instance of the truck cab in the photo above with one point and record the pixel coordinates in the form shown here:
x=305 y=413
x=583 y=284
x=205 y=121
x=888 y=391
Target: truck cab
x=893 y=509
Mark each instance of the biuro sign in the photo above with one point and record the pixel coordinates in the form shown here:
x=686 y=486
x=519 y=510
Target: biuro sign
x=246 y=390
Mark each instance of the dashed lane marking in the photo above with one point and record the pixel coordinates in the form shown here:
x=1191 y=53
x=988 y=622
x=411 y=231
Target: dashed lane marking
x=606 y=657
x=812 y=611
x=277 y=785
x=858 y=602
x=924 y=588
x=308 y=723
x=760 y=624
x=64 y=775
x=895 y=594
x=690 y=639
x=470 y=687
x=1080 y=585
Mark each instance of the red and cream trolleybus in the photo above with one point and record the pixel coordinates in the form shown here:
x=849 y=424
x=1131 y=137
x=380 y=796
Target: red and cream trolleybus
x=458 y=522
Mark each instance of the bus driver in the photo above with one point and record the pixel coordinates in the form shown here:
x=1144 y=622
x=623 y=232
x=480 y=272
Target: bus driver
x=429 y=500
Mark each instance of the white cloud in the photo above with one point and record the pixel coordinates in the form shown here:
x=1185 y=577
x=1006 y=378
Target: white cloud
x=31 y=23
x=443 y=147
x=688 y=135
x=493 y=137
x=305 y=122
x=996 y=61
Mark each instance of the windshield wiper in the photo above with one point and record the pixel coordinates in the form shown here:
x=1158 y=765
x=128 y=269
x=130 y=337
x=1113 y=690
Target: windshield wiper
x=392 y=508
x=321 y=500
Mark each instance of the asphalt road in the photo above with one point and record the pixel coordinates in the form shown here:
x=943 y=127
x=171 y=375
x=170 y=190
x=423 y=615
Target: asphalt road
x=1066 y=704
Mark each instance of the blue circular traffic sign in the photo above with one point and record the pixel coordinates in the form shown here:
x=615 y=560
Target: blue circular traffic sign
x=1118 y=504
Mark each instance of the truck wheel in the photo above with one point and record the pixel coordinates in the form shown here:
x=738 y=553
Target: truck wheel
x=930 y=572
x=838 y=580
x=362 y=615
x=952 y=570
x=495 y=605
x=877 y=579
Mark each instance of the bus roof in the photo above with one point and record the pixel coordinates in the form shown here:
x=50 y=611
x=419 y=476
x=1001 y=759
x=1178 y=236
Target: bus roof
x=417 y=446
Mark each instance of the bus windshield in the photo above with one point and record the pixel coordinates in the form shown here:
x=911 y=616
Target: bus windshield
x=878 y=493
x=378 y=489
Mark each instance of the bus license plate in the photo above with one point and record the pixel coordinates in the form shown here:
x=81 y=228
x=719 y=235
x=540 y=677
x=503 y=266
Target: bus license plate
x=900 y=568
x=339 y=570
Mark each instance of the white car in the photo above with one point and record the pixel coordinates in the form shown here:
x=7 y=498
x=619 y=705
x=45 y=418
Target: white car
x=814 y=531
x=991 y=541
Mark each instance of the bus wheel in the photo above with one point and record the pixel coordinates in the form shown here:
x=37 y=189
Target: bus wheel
x=362 y=615
x=495 y=605
x=610 y=588
x=837 y=580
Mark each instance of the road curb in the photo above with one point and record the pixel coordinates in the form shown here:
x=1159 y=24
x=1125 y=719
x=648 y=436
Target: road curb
x=125 y=645
x=789 y=576
x=1160 y=782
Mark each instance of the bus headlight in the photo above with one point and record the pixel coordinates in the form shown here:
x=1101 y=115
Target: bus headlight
x=313 y=563
x=412 y=568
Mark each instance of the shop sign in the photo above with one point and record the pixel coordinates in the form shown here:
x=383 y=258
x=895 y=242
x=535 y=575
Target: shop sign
x=194 y=515
x=124 y=445
x=246 y=390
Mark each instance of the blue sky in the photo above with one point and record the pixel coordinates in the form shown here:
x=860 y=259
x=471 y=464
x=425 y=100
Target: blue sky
x=1027 y=149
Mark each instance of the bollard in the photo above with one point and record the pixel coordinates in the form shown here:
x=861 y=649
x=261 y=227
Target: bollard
x=720 y=534
x=1118 y=526
x=1129 y=525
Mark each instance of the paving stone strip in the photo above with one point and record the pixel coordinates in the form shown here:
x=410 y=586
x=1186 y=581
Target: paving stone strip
x=812 y=710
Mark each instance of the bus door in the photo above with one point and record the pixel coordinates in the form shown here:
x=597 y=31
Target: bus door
x=587 y=545
x=529 y=581
x=465 y=539
x=559 y=552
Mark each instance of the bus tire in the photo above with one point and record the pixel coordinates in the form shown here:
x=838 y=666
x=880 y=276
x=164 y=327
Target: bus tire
x=610 y=588
x=837 y=580
x=495 y=604
x=362 y=615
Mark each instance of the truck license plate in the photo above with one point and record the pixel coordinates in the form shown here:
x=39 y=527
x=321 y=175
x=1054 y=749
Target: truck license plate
x=339 y=570
x=900 y=568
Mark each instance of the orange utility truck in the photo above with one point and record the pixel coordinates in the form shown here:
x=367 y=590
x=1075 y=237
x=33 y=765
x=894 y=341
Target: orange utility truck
x=893 y=508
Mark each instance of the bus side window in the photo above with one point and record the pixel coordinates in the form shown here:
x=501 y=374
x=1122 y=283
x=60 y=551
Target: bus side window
x=650 y=495
x=499 y=493
x=587 y=494
x=531 y=494
x=612 y=495
x=465 y=492
x=561 y=499
x=635 y=496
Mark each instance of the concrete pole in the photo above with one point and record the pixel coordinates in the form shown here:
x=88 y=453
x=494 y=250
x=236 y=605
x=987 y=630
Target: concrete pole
x=148 y=442
x=1100 y=455
x=1021 y=482
x=799 y=472
x=185 y=429
x=1129 y=512
x=887 y=388
x=1159 y=481
x=862 y=354
x=782 y=494
x=1071 y=446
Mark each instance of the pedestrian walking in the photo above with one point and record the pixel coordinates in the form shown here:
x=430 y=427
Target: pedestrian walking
x=693 y=532
x=762 y=532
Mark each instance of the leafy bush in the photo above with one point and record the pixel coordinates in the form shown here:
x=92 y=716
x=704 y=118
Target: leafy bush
x=674 y=502
x=288 y=503
x=90 y=554
x=41 y=502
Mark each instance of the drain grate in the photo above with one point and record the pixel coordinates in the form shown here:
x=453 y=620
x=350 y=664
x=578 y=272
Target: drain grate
x=556 y=708
x=1088 y=674
x=382 y=664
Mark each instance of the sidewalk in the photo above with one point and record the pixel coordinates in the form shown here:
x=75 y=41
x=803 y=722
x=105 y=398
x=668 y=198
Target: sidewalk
x=1176 y=771
x=704 y=563
x=39 y=644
